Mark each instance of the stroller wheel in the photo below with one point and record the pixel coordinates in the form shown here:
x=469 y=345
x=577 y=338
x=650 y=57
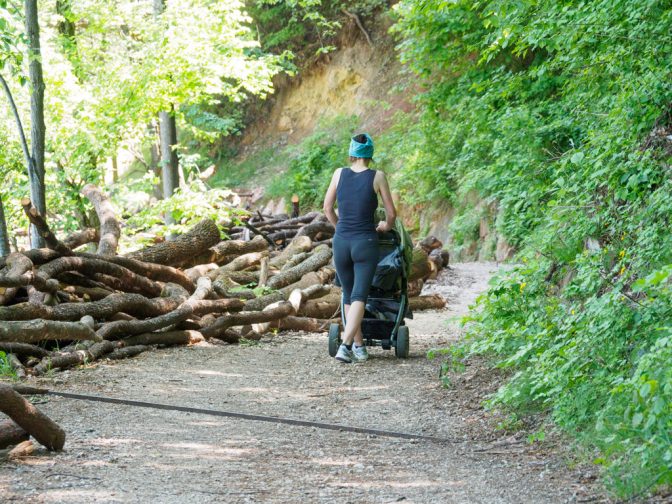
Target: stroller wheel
x=334 y=339
x=401 y=347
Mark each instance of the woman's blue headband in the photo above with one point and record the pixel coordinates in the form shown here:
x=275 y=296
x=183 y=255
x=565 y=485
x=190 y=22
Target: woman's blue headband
x=361 y=150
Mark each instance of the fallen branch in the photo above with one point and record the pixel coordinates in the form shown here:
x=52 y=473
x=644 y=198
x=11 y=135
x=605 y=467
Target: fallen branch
x=23 y=349
x=110 y=231
x=42 y=227
x=32 y=331
x=79 y=238
x=32 y=420
x=78 y=357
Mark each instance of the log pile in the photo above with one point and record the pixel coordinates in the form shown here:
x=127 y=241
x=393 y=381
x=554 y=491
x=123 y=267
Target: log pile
x=61 y=308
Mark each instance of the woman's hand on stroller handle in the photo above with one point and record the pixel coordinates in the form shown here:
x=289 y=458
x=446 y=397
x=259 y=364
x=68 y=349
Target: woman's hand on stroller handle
x=383 y=227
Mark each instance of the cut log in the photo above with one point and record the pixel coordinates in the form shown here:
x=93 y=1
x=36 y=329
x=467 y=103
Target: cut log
x=241 y=277
x=225 y=322
x=420 y=267
x=263 y=272
x=415 y=287
x=110 y=231
x=165 y=338
x=128 y=281
x=152 y=271
x=36 y=256
x=32 y=331
x=79 y=238
x=295 y=206
x=38 y=220
x=18 y=271
x=431 y=302
x=182 y=249
x=226 y=250
x=295 y=260
x=444 y=255
x=23 y=449
x=281 y=237
x=195 y=272
x=320 y=257
x=32 y=420
x=296 y=299
x=307 y=324
x=23 y=349
x=328 y=242
x=307 y=280
x=326 y=307
x=132 y=304
x=127 y=352
x=430 y=243
x=11 y=434
x=112 y=330
x=301 y=244
x=76 y=358
x=244 y=261
x=315 y=228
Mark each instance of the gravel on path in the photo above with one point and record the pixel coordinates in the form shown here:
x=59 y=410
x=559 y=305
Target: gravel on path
x=120 y=454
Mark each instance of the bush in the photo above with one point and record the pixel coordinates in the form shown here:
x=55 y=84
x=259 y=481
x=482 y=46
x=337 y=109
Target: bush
x=559 y=113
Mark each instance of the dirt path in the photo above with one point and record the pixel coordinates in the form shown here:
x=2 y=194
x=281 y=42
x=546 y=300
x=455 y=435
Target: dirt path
x=118 y=453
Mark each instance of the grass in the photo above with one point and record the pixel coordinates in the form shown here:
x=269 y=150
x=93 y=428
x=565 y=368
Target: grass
x=257 y=168
x=6 y=370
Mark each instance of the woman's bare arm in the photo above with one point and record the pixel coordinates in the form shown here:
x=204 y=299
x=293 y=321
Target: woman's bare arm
x=391 y=213
x=330 y=198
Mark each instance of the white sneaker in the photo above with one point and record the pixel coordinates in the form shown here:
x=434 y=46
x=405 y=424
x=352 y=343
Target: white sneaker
x=359 y=353
x=343 y=354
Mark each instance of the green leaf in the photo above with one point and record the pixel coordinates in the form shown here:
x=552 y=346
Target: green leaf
x=637 y=419
x=577 y=158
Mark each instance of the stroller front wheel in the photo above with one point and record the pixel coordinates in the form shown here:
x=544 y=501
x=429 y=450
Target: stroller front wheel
x=334 y=339
x=402 y=344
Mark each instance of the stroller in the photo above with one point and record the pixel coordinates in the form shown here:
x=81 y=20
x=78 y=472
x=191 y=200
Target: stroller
x=387 y=305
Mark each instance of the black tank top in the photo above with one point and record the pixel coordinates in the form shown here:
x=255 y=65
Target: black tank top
x=357 y=203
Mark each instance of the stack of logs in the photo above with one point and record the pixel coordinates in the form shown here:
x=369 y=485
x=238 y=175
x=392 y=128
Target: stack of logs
x=61 y=308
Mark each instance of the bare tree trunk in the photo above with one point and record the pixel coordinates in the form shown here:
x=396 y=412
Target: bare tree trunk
x=155 y=155
x=169 y=161
x=168 y=136
x=37 y=129
x=4 y=236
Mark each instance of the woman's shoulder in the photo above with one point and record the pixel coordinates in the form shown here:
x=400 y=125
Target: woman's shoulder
x=378 y=175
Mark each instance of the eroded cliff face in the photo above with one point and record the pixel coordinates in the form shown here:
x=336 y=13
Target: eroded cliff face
x=358 y=79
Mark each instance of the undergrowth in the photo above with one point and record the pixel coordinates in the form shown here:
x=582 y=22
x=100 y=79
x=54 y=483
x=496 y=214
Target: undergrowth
x=558 y=114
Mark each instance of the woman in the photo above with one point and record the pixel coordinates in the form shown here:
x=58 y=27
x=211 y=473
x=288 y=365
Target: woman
x=356 y=241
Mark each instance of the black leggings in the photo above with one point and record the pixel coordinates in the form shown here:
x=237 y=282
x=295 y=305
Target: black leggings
x=355 y=262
